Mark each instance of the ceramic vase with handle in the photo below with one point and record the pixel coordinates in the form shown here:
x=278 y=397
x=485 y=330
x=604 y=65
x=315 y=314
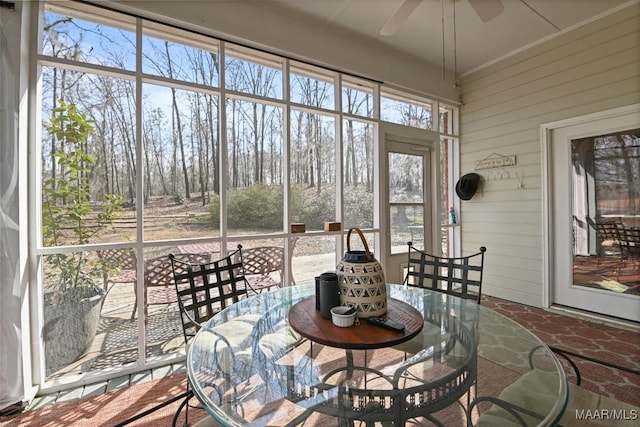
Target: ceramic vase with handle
x=361 y=280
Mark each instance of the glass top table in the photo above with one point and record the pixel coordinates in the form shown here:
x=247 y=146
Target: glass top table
x=468 y=366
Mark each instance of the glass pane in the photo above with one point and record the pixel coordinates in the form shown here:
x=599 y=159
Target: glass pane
x=358 y=174
x=406 y=226
x=87 y=158
x=312 y=89
x=164 y=332
x=183 y=56
x=313 y=256
x=356 y=243
x=446 y=232
x=447 y=120
x=264 y=263
x=606 y=202
x=357 y=99
x=313 y=169
x=75 y=36
x=405 y=112
x=406 y=198
x=85 y=328
x=406 y=178
x=255 y=200
x=253 y=73
x=181 y=146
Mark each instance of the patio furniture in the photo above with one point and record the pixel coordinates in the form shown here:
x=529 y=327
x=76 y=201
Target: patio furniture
x=514 y=405
x=158 y=279
x=121 y=265
x=608 y=234
x=629 y=242
x=312 y=387
x=458 y=276
x=263 y=267
x=200 y=247
x=202 y=289
x=461 y=276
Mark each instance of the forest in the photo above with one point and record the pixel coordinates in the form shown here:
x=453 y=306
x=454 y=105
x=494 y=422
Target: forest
x=204 y=119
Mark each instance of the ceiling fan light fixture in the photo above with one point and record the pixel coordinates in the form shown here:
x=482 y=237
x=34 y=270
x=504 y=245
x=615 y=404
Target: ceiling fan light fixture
x=487 y=9
x=397 y=19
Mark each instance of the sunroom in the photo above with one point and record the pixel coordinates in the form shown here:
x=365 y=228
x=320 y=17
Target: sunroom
x=143 y=129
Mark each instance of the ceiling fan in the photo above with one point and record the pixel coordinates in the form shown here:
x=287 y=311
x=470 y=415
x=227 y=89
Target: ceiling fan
x=486 y=10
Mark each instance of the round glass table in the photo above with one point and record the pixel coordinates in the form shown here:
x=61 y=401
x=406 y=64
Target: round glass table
x=468 y=366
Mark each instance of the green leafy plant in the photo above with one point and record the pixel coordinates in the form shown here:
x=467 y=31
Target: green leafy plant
x=68 y=215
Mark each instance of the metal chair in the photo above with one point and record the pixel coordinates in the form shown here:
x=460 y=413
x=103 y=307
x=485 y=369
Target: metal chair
x=263 y=267
x=458 y=276
x=202 y=289
x=516 y=405
x=120 y=267
x=629 y=242
x=461 y=276
x=609 y=236
x=158 y=279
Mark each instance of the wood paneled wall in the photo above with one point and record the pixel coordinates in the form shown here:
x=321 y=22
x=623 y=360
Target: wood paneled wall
x=591 y=68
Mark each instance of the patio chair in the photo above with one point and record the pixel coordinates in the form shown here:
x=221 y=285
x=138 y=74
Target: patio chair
x=263 y=267
x=629 y=242
x=461 y=276
x=516 y=404
x=158 y=279
x=457 y=276
x=609 y=237
x=202 y=289
x=120 y=267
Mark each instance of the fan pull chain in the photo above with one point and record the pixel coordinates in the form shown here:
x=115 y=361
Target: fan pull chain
x=455 y=49
x=444 y=68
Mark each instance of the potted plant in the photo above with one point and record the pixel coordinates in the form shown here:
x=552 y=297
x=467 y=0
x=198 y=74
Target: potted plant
x=74 y=291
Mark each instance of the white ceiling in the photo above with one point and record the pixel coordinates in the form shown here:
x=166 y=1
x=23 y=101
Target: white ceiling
x=477 y=43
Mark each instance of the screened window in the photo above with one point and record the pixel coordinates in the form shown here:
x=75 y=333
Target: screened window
x=405 y=111
x=106 y=39
x=253 y=73
x=255 y=200
x=180 y=55
x=358 y=174
x=313 y=169
x=357 y=98
x=199 y=149
x=311 y=87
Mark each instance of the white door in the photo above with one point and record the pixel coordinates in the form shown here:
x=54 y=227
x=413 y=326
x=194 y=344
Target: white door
x=594 y=168
x=407 y=193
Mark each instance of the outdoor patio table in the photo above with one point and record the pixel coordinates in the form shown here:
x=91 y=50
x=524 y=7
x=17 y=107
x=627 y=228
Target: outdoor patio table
x=463 y=361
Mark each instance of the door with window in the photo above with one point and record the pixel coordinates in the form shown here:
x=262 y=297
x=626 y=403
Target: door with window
x=409 y=189
x=595 y=165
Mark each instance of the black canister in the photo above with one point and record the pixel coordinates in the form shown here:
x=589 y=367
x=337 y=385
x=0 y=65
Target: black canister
x=329 y=293
x=317 y=279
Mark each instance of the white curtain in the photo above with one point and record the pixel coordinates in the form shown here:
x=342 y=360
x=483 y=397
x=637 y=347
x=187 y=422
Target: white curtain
x=11 y=381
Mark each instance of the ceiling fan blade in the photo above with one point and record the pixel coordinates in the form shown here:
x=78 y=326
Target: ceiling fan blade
x=487 y=9
x=398 y=18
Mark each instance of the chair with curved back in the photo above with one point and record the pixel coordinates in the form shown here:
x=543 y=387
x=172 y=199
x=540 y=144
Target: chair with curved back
x=608 y=233
x=457 y=276
x=202 y=289
x=516 y=405
x=120 y=267
x=263 y=267
x=158 y=278
x=461 y=276
x=629 y=242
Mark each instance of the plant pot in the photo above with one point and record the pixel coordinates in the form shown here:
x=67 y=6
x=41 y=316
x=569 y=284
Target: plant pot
x=69 y=329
